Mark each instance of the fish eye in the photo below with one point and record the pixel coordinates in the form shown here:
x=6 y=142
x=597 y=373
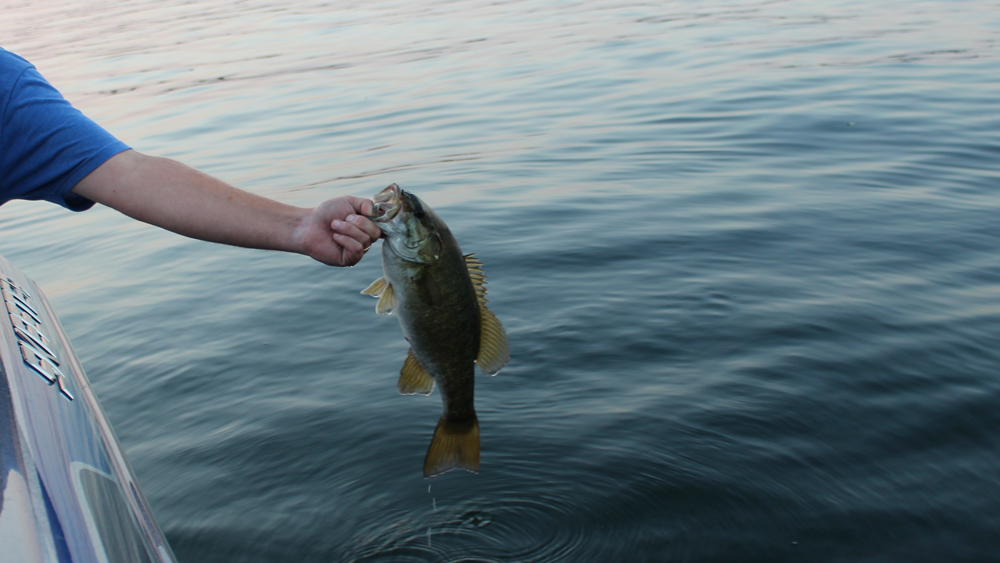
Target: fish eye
x=414 y=204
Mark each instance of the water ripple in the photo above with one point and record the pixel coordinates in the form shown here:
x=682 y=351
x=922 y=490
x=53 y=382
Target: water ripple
x=745 y=251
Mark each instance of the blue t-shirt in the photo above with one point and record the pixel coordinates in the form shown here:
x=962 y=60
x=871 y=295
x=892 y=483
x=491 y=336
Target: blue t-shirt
x=46 y=145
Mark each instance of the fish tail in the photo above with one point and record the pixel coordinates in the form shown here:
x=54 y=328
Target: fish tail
x=455 y=444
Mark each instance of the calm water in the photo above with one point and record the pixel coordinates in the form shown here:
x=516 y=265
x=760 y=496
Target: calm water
x=747 y=253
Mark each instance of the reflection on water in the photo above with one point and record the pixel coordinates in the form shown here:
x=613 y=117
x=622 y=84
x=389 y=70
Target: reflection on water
x=745 y=253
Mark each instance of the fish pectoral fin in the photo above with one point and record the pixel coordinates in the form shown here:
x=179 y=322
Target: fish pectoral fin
x=376 y=288
x=455 y=444
x=382 y=289
x=413 y=378
x=494 y=351
x=386 y=301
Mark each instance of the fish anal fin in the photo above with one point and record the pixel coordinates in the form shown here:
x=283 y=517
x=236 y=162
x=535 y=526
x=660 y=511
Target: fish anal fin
x=376 y=288
x=413 y=379
x=494 y=351
x=386 y=301
x=455 y=444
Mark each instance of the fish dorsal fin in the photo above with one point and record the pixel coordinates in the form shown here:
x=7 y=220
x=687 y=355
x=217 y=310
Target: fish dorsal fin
x=494 y=352
x=413 y=379
x=376 y=288
x=478 y=277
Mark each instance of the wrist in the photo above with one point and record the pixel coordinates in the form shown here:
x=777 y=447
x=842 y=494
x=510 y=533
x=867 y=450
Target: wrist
x=302 y=239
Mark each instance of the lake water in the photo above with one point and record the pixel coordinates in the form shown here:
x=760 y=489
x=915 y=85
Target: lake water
x=747 y=253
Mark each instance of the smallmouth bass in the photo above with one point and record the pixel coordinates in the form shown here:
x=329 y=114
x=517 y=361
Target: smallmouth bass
x=439 y=296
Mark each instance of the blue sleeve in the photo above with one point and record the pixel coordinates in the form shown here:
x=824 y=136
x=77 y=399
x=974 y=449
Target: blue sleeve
x=46 y=145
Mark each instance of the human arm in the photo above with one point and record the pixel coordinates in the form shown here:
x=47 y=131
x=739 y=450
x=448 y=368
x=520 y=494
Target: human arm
x=168 y=194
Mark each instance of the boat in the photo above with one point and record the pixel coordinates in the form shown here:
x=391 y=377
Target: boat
x=67 y=492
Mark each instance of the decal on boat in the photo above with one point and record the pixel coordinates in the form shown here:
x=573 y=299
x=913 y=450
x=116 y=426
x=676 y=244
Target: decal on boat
x=35 y=346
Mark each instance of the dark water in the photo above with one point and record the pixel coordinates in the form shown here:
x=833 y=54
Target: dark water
x=747 y=254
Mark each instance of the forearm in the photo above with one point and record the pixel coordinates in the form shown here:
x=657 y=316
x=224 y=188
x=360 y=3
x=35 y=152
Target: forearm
x=173 y=196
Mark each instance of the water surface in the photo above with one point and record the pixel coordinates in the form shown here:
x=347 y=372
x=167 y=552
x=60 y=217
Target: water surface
x=746 y=253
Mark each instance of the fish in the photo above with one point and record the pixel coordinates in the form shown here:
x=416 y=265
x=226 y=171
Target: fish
x=439 y=296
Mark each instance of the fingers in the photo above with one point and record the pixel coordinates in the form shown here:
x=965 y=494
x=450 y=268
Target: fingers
x=366 y=225
x=361 y=205
x=341 y=234
x=358 y=229
x=353 y=251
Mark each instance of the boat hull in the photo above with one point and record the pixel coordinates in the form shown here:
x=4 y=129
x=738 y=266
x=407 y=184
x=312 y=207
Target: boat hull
x=68 y=493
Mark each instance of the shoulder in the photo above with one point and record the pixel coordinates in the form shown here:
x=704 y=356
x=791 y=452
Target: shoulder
x=46 y=145
x=11 y=67
x=10 y=59
x=14 y=72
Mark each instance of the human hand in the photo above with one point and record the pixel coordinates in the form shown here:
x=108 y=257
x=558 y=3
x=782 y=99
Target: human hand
x=336 y=233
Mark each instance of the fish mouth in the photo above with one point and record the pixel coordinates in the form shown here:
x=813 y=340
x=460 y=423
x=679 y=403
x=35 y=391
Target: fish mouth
x=388 y=202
